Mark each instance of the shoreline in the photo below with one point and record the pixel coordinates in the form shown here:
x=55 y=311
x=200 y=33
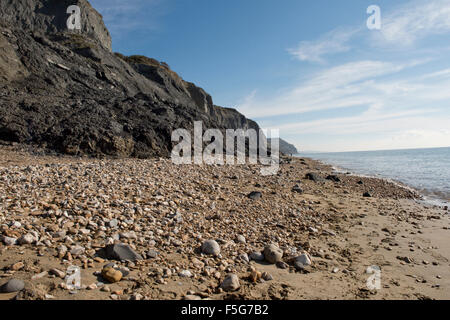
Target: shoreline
x=430 y=199
x=145 y=205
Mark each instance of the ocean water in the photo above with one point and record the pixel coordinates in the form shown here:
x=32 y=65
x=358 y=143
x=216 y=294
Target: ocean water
x=425 y=170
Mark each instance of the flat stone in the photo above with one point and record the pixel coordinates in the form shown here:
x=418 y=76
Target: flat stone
x=255 y=195
x=122 y=252
x=256 y=256
x=13 y=285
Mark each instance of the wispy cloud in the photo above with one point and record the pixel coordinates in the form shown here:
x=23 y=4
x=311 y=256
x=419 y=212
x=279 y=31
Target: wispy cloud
x=333 y=42
x=400 y=98
x=343 y=86
x=414 y=21
x=401 y=27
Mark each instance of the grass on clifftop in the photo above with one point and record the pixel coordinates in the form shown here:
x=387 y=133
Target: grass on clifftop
x=139 y=59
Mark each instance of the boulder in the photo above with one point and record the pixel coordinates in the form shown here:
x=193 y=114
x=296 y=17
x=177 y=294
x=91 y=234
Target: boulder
x=231 y=283
x=273 y=254
x=121 y=252
x=211 y=247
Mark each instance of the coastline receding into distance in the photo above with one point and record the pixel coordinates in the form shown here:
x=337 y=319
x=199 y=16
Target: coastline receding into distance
x=424 y=170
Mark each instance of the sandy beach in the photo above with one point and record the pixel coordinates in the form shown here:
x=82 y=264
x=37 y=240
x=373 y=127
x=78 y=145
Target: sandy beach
x=61 y=211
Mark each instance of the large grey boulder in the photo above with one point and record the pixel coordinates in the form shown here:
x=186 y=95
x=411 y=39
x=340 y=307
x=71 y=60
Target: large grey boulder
x=13 y=285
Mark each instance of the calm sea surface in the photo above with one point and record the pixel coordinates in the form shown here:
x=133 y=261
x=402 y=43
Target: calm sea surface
x=426 y=170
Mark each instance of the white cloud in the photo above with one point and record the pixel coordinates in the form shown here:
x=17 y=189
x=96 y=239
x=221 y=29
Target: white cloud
x=416 y=20
x=333 y=42
x=347 y=85
x=401 y=27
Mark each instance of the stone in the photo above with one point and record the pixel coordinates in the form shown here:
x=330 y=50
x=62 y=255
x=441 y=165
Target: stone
x=282 y=265
x=136 y=297
x=185 y=274
x=26 y=239
x=297 y=189
x=333 y=177
x=92 y=286
x=367 y=195
x=267 y=276
x=122 y=252
x=77 y=250
x=9 y=241
x=13 y=285
x=256 y=256
x=105 y=289
x=57 y=272
x=231 y=283
x=211 y=247
x=313 y=177
x=255 y=276
x=240 y=239
x=273 y=254
x=244 y=257
x=39 y=275
x=17 y=266
x=111 y=275
x=255 y=195
x=152 y=254
x=302 y=261
x=197 y=263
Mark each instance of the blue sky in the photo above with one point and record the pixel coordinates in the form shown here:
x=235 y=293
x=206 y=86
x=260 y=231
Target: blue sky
x=309 y=68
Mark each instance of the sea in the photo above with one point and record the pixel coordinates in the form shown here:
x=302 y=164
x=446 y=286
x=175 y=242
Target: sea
x=425 y=170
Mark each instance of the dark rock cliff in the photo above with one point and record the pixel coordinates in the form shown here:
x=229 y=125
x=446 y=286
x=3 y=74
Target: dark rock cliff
x=66 y=91
x=284 y=146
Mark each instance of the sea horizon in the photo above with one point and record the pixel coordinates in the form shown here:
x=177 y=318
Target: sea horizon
x=423 y=169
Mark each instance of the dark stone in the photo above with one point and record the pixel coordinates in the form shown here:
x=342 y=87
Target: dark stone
x=255 y=195
x=360 y=182
x=367 y=195
x=121 y=252
x=334 y=178
x=297 y=189
x=313 y=177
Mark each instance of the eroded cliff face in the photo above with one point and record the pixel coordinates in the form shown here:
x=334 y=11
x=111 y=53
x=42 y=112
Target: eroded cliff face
x=67 y=91
x=50 y=16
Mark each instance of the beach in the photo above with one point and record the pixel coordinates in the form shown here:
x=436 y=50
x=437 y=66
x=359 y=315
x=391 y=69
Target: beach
x=61 y=211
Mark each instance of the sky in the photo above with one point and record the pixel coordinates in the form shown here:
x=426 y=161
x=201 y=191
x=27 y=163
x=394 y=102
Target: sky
x=312 y=69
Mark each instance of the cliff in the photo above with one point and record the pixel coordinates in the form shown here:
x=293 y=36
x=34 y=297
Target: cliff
x=285 y=147
x=66 y=91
